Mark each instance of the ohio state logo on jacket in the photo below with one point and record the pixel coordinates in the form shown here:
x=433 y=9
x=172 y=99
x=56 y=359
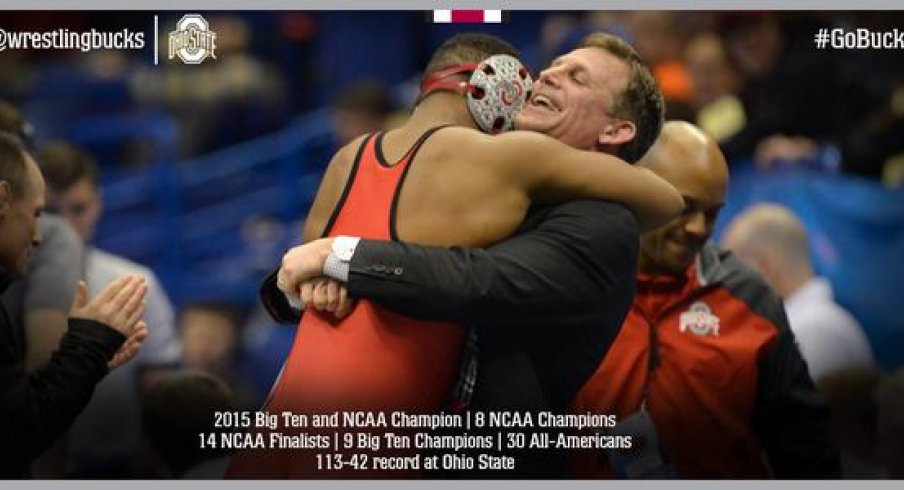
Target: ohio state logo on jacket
x=700 y=320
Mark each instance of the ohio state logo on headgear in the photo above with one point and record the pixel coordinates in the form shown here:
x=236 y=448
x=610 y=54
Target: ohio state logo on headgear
x=501 y=87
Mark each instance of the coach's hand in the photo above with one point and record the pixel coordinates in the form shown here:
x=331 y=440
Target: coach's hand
x=119 y=306
x=325 y=294
x=300 y=264
x=130 y=347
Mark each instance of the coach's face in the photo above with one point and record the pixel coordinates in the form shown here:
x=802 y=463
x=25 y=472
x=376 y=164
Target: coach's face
x=574 y=100
x=19 y=221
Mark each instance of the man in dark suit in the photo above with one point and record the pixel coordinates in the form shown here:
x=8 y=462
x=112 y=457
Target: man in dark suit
x=548 y=302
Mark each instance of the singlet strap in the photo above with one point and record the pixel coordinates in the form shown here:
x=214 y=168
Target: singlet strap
x=381 y=157
x=407 y=160
x=348 y=186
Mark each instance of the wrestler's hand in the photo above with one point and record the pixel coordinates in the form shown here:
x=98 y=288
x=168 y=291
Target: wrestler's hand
x=119 y=306
x=325 y=294
x=130 y=347
x=300 y=264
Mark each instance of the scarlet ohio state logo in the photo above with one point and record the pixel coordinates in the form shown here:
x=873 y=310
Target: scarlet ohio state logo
x=511 y=91
x=699 y=320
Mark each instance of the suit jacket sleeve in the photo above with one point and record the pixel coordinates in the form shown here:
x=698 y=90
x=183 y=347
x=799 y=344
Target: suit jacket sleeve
x=559 y=267
x=36 y=408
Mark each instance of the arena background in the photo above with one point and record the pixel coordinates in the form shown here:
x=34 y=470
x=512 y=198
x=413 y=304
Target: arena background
x=208 y=171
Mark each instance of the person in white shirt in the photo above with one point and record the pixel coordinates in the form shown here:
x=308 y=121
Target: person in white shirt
x=106 y=440
x=773 y=241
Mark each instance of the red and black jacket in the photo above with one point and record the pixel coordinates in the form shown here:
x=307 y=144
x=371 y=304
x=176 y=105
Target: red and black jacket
x=724 y=383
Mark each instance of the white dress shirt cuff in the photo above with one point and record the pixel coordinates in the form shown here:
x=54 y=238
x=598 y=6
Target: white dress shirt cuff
x=337 y=262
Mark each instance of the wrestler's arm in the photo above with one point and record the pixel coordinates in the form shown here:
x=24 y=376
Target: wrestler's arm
x=581 y=250
x=552 y=171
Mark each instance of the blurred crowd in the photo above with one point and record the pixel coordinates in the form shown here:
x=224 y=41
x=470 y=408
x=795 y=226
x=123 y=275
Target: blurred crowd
x=754 y=81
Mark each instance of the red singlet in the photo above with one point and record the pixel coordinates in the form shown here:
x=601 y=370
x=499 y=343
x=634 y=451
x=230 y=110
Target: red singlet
x=374 y=359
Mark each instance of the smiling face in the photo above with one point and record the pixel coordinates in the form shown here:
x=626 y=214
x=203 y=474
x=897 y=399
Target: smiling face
x=691 y=162
x=573 y=100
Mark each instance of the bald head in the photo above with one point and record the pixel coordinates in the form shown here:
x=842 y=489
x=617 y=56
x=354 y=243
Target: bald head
x=769 y=225
x=686 y=156
x=771 y=239
x=691 y=161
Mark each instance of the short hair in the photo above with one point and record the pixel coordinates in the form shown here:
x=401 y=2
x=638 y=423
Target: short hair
x=64 y=165
x=640 y=102
x=470 y=47
x=177 y=409
x=12 y=163
x=14 y=123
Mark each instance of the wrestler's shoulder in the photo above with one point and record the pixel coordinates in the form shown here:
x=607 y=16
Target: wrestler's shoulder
x=352 y=147
x=465 y=139
x=343 y=158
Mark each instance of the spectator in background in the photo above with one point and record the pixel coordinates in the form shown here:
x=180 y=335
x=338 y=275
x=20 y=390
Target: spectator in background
x=13 y=122
x=874 y=81
x=792 y=98
x=360 y=108
x=210 y=340
x=891 y=424
x=773 y=241
x=175 y=411
x=39 y=304
x=105 y=440
x=659 y=42
x=875 y=147
x=714 y=82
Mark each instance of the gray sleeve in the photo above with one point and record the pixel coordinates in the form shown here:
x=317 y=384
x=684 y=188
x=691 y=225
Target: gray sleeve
x=163 y=346
x=55 y=268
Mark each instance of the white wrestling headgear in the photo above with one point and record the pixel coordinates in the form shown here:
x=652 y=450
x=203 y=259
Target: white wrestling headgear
x=498 y=89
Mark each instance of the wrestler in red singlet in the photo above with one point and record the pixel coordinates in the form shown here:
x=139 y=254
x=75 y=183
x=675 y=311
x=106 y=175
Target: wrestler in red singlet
x=374 y=359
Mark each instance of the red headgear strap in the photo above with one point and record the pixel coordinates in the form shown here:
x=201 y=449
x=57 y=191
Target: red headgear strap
x=436 y=80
